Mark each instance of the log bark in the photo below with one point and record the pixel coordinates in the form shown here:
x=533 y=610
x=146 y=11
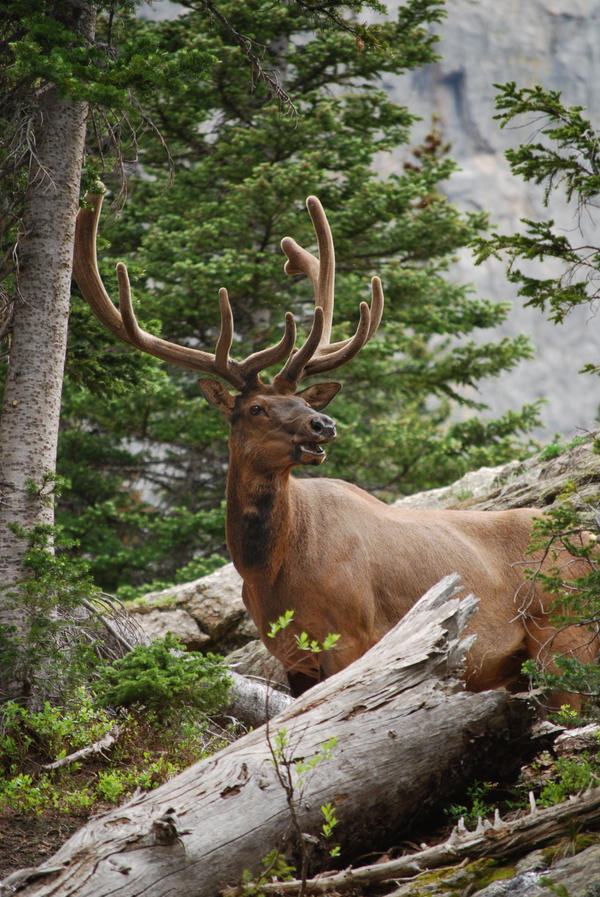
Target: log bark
x=408 y=737
x=254 y=701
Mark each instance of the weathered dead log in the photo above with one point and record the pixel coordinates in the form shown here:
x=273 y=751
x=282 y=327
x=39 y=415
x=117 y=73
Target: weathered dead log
x=89 y=750
x=254 y=701
x=408 y=736
x=500 y=838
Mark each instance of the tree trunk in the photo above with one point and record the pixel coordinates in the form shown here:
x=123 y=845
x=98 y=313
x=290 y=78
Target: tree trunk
x=408 y=736
x=31 y=404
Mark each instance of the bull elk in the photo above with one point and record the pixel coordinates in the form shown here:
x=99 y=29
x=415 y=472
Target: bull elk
x=343 y=561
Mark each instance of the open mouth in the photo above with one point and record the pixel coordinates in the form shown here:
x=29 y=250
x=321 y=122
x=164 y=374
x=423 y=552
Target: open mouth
x=311 y=448
x=309 y=452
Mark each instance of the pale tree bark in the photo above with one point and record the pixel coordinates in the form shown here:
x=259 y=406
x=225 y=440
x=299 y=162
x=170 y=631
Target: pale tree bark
x=31 y=404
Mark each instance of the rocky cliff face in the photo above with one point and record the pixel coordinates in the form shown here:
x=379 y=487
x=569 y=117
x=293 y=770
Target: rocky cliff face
x=555 y=43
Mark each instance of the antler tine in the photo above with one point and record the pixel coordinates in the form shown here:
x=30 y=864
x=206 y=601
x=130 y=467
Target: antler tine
x=292 y=372
x=353 y=342
x=123 y=323
x=336 y=357
x=326 y=356
x=85 y=267
x=320 y=271
x=264 y=358
x=225 y=339
x=324 y=293
x=249 y=369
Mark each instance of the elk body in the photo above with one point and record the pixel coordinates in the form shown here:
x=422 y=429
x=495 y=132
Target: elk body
x=344 y=562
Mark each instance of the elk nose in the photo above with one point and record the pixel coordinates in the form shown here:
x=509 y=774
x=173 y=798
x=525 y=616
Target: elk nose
x=323 y=426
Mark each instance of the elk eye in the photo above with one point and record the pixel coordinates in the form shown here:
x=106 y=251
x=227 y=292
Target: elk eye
x=255 y=409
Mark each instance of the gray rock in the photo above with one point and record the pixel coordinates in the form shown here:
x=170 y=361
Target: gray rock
x=253 y=659
x=537 y=482
x=476 y=484
x=157 y=623
x=215 y=602
x=206 y=614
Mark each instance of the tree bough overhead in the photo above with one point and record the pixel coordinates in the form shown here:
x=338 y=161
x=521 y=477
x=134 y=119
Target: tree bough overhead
x=567 y=159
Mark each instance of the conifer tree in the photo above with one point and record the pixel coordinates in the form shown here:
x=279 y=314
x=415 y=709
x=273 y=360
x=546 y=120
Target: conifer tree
x=55 y=74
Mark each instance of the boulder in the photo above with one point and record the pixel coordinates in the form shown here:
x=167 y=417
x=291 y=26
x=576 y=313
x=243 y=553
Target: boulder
x=156 y=622
x=207 y=614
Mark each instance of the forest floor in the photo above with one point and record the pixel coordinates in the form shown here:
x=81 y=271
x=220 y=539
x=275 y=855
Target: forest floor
x=29 y=840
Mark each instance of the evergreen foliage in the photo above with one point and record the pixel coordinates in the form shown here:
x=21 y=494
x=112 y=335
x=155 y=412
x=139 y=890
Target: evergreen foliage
x=564 y=156
x=163 y=678
x=567 y=531
x=242 y=168
x=54 y=654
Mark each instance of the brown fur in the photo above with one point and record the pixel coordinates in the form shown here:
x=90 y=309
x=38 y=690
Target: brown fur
x=349 y=564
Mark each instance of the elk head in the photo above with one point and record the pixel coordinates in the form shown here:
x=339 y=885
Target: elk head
x=272 y=423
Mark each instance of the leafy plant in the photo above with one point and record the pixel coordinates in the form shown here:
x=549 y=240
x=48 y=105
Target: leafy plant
x=275 y=867
x=56 y=650
x=165 y=679
x=563 y=535
x=291 y=775
x=50 y=732
x=568 y=717
x=570 y=777
x=148 y=750
x=330 y=821
x=479 y=804
x=303 y=641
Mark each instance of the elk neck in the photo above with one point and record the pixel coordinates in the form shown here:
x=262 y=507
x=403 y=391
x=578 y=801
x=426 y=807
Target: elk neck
x=259 y=519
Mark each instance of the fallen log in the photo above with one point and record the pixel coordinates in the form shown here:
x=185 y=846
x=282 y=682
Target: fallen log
x=408 y=736
x=89 y=750
x=254 y=701
x=494 y=839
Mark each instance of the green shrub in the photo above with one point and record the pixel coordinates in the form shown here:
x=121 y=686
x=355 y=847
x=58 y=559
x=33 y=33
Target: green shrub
x=57 y=648
x=570 y=777
x=165 y=679
x=480 y=804
x=561 y=533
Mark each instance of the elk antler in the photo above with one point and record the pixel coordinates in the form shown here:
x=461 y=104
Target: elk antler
x=122 y=322
x=318 y=354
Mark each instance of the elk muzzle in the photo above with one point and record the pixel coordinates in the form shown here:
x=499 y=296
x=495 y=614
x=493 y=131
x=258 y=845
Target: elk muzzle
x=308 y=446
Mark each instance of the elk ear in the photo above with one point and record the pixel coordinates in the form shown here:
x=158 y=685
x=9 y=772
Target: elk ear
x=319 y=394
x=217 y=395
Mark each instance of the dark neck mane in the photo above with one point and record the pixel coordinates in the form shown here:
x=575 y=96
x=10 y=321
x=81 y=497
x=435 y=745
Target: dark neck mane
x=257 y=520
